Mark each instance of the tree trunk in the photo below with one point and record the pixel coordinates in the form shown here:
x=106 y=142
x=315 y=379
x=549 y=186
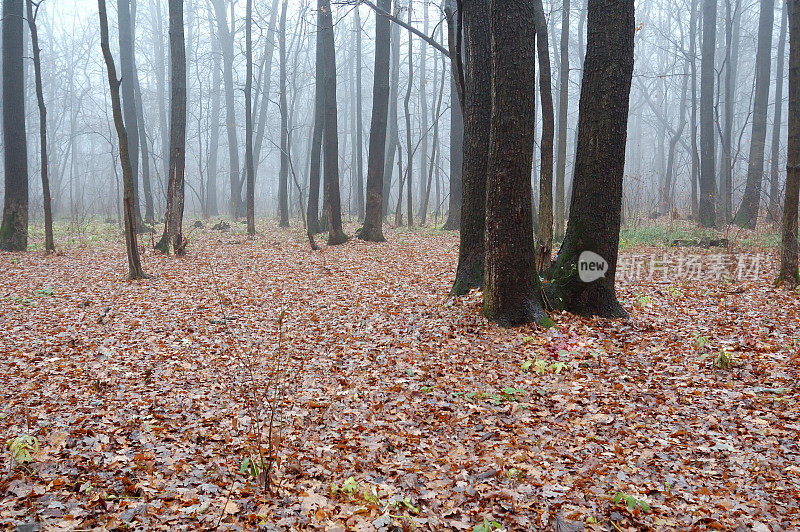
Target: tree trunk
x=226 y=43
x=269 y=50
x=314 y=226
x=134 y=265
x=161 y=85
x=409 y=147
x=359 y=162
x=212 y=207
x=477 y=117
x=563 y=107
x=248 y=121
x=283 y=177
x=707 y=208
x=422 y=150
x=748 y=210
x=393 y=131
x=453 y=222
x=49 y=244
x=127 y=62
x=330 y=141
x=512 y=295
x=545 y=244
x=372 y=229
x=695 y=155
x=732 y=15
x=774 y=201
x=596 y=206
x=173 y=233
x=789 y=273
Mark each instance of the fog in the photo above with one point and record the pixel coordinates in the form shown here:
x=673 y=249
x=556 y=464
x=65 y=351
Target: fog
x=664 y=112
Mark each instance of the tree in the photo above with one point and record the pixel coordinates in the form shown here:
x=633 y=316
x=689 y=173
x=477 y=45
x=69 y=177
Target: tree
x=392 y=143
x=563 y=107
x=774 y=200
x=14 y=229
x=49 y=245
x=545 y=242
x=248 y=114
x=512 y=295
x=453 y=222
x=173 y=233
x=748 y=210
x=127 y=61
x=226 y=44
x=732 y=17
x=283 y=178
x=409 y=148
x=789 y=246
x=707 y=209
x=330 y=140
x=359 y=147
x=134 y=264
x=372 y=229
x=316 y=141
x=596 y=206
x=477 y=118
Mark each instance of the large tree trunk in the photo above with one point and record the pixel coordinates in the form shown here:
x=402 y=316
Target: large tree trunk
x=789 y=247
x=707 y=209
x=226 y=43
x=173 y=232
x=49 y=244
x=545 y=248
x=330 y=141
x=774 y=201
x=14 y=229
x=512 y=295
x=134 y=264
x=596 y=205
x=453 y=222
x=748 y=210
x=248 y=121
x=563 y=107
x=372 y=229
x=127 y=66
x=477 y=117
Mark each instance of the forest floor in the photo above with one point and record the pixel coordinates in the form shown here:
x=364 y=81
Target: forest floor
x=396 y=407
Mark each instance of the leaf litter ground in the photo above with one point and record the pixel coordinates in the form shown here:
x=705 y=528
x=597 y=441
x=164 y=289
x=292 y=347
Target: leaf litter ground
x=399 y=408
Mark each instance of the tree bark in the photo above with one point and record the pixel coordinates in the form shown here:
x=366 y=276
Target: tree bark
x=134 y=264
x=596 y=206
x=212 y=207
x=545 y=242
x=49 y=244
x=316 y=137
x=477 y=118
x=372 y=229
x=512 y=295
x=409 y=147
x=748 y=210
x=359 y=161
x=789 y=246
x=707 y=207
x=173 y=232
x=393 y=131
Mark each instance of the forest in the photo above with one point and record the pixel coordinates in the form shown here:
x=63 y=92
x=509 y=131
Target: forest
x=400 y=265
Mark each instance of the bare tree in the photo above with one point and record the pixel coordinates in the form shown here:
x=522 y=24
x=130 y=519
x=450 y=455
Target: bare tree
x=49 y=244
x=248 y=128
x=748 y=210
x=774 y=201
x=545 y=242
x=173 y=232
x=134 y=264
x=563 y=107
x=707 y=210
x=372 y=229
